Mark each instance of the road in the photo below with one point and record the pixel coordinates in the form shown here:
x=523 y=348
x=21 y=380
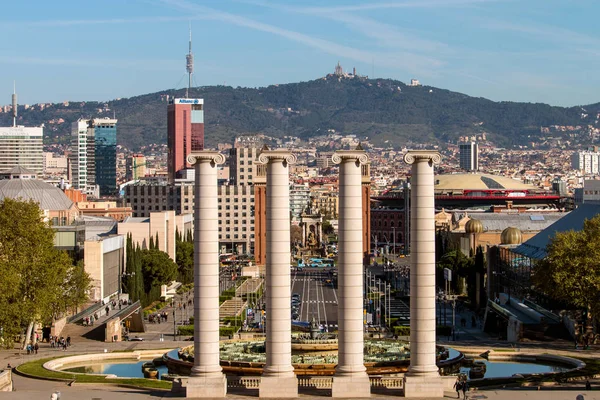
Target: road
x=318 y=299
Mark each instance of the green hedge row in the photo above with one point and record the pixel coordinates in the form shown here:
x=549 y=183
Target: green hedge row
x=154 y=307
x=441 y=330
x=188 y=330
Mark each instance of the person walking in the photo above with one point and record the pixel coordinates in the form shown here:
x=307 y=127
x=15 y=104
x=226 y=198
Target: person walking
x=458 y=387
x=36 y=347
x=465 y=388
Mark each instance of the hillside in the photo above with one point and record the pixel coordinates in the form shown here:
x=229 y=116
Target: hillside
x=380 y=109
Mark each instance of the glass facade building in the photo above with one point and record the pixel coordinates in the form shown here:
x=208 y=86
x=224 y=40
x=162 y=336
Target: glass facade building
x=105 y=138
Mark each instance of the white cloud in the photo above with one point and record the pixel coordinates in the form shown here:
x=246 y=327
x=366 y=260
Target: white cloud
x=413 y=63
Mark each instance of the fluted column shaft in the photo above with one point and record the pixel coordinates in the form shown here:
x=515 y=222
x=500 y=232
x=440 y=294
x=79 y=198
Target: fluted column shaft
x=350 y=378
x=206 y=265
x=350 y=279
x=279 y=322
x=422 y=271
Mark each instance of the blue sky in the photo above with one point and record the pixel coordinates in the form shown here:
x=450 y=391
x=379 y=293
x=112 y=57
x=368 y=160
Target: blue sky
x=514 y=50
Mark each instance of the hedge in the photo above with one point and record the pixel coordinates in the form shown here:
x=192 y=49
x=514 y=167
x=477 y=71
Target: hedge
x=188 y=330
x=154 y=307
x=441 y=330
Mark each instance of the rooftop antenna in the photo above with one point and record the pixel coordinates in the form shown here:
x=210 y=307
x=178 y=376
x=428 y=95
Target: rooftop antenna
x=189 y=58
x=14 y=103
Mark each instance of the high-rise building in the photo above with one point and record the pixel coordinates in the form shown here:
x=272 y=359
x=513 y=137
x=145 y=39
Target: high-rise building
x=94 y=156
x=587 y=162
x=105 y=135
x=135 y=167
x=242 y=165
x=469 y=156
x=185 y=132
x=21 y=146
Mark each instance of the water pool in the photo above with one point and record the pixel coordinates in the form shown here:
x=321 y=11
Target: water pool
x=125 y=369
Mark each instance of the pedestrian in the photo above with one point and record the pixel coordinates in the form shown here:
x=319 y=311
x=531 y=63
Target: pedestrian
x=107 y=309
x=588 y=385
x=36 y=347
x=465 y=388
x=68 y=341
x=458 y=387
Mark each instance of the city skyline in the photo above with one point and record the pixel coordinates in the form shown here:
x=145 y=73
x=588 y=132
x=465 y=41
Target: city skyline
x=496 y=49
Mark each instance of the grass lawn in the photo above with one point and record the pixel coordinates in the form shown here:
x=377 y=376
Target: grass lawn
x=36 y=369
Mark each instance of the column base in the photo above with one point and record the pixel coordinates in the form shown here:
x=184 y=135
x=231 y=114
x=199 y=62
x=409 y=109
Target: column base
x=423 y=386
x=202 y=387
x=275 y=386
x=354 y=386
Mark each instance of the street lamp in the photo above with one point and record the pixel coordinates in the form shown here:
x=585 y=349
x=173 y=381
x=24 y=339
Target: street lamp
x=394 y=238
x=174 y=325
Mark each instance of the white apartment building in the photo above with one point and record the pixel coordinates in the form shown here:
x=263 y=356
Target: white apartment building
x=21 y=146
x=299 y=199
x=79 y=157
x=587 y=162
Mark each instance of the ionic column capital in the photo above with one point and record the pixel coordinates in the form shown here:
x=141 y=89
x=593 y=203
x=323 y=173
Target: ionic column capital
x=206 y=156
x=278 y=155
x=429 y=156
x=356 y=156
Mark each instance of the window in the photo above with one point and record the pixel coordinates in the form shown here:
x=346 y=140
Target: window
x=241 y=169
x=220 y=215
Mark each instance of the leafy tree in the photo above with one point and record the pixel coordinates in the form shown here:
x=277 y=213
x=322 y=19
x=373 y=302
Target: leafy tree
x=460 y=265
x=157 y=268
x=328 y=228
x=184 y=257
x=571 y=269
x=38 y=281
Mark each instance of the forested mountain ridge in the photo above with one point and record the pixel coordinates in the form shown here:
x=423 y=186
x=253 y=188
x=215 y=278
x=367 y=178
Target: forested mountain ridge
x=381 y=109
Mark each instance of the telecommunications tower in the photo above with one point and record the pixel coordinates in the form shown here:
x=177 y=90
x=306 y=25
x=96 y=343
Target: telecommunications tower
x=189 y=65
x=14 y=104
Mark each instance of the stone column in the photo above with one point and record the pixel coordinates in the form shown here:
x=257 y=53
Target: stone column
x=423 y=378
x=278 y=378
x=207 y=378
x=350 y=378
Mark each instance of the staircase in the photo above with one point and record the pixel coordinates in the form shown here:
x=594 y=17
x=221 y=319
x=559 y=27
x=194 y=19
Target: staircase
x=232 y=307
x=399 y=309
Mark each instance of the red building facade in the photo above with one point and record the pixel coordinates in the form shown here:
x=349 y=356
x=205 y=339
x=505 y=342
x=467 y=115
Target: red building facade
x=185 y=132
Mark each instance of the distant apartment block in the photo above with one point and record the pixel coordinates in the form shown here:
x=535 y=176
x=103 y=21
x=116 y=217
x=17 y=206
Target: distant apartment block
x=587 y=162
x=135 y=167
x=469 y=156
x=242 y=165
x=21 y=146
x=55 y=164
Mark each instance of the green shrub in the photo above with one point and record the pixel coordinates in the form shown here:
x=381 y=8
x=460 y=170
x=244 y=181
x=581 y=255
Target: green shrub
x=185 y=330
x=402 y=330
x=443 y=330
x=227 y=330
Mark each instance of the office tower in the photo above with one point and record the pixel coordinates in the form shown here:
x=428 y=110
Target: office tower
x=105 y=135
x=21 y=146
x=185 y=132
x=469 y=156
x=94 y=156
x=135 y=167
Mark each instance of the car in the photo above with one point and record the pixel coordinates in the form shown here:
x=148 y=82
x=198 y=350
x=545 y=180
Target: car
x=296 y=296
x=295 y=316
x=136 y=339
